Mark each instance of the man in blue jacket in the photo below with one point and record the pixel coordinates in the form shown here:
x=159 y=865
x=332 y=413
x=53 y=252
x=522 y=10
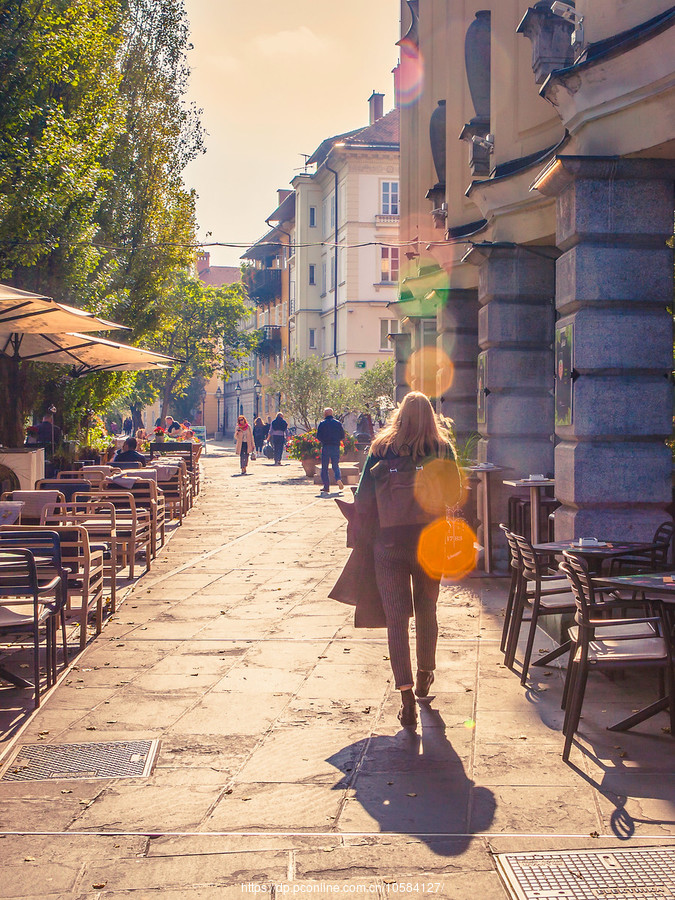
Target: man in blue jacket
x=330 y=432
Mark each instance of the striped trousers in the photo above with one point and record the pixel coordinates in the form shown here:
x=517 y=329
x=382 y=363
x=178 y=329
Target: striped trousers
x=405 y=588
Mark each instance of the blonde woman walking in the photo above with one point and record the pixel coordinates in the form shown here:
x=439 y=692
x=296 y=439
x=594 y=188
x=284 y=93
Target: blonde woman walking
x=407 y=497
x=244 y=443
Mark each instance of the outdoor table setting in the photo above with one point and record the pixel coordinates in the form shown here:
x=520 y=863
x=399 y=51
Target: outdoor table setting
x=535 y=483
x=657 y=586
x=483 y=471
x=594 y=551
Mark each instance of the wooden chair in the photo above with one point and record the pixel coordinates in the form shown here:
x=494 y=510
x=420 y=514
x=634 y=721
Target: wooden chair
x=186 y=451
x=34 y=502
x=24 y=608
x=609 y=645
x=99 y=519
x=133 y=526
x=67 y=486
x=93 y=475
x=83 y=567
x=148 y=496
x=176 y=488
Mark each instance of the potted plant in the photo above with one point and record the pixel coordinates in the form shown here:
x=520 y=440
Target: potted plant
x=307 y=448
x=348 y=448
x=159 y=434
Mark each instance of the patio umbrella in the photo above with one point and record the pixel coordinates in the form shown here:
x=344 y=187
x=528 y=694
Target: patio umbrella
x=84 y=353
x=21 y=312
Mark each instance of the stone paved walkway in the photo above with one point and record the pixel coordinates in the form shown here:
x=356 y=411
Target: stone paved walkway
x=281 y=762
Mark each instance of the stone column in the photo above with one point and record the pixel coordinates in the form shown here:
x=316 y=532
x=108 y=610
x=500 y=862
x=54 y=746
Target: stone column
x=614 y=284
x=457 y=326
x=516 y=286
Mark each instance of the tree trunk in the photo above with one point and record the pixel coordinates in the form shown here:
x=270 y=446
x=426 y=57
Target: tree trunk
x=12 y=412
x=136 y=416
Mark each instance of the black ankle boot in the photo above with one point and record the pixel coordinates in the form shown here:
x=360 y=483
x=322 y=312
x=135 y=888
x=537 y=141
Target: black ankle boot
x=407 y=715
x=423 y=683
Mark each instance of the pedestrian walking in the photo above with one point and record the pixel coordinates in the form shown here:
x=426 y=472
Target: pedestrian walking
x=128 y=426
x=277 y=435
x=403 y=501
x=243 y=439
x=259 y=434
x=330 y=432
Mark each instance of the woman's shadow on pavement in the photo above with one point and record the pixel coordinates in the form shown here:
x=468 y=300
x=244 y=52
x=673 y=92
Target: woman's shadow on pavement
x=413 y=783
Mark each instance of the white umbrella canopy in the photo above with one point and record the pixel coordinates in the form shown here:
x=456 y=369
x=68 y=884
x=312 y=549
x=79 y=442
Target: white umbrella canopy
x=22 y=312
x=85 y=353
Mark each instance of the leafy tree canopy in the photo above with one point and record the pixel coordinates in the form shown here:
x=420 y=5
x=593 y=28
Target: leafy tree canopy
x=308 y=389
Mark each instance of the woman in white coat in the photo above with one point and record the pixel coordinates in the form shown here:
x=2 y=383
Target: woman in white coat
x=244 y=443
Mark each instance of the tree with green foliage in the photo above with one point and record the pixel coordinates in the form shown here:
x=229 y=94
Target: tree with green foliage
x=308 y=389
x=376 y=383
x=304 y=384
x=94 y=136
x=197 y=324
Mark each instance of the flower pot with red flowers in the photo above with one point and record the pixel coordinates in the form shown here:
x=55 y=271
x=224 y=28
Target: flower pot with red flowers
x=159 y=434
x=306 y=448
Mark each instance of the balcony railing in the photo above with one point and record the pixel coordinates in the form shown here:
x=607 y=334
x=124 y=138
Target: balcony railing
x=263 y=285
x=269 y=343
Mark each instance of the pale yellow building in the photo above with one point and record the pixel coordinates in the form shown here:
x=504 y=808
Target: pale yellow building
x=345 y=263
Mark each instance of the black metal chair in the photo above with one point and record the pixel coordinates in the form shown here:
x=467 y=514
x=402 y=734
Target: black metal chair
x=608 y=645
x=549 y=594
x=658 y=559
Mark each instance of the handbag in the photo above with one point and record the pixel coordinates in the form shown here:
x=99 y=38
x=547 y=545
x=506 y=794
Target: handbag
x=268 y=451
x=253 y=456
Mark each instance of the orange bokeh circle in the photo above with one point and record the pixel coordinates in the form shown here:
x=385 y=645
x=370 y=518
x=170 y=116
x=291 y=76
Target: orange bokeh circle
x=446 y=549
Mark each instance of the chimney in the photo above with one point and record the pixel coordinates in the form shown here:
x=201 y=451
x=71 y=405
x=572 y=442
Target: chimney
x=203 y=260
x=282 y=193
x=376 y=105
x=396 y=72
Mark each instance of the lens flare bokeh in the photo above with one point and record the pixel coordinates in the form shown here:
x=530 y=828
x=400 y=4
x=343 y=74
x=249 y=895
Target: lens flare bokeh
x=430 y=370
x=446 y=549
x=439 y=485
x=412 y=72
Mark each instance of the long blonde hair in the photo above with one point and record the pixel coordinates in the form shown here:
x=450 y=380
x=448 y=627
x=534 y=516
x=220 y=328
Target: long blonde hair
x=414 y=430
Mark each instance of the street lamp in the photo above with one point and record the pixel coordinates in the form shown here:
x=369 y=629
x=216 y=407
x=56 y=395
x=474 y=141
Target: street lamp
x=257 y=387
x=237 y=392
x=219 y=397
x=204 y=409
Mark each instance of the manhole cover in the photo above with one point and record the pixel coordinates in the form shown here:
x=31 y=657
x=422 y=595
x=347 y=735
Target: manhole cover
x=646 y=874
x=113 y=759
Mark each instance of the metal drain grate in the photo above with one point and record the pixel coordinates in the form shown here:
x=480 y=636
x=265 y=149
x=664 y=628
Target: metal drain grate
x=646 y=874
x=113 y=759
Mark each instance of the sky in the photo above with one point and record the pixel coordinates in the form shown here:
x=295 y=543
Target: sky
x=273 y=80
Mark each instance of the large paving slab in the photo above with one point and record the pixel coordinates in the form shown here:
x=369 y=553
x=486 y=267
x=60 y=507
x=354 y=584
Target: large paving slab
x=281 y=762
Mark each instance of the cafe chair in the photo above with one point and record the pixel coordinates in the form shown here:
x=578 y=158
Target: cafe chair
x=45 y=547
x=24 y=610
x=547 y=594
x=608 y=645
x=33 y=503
x=133 y=525
x=98 y=518
x=68 y=487
x=656 y=559
x=82 y=565
x=516 y=567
